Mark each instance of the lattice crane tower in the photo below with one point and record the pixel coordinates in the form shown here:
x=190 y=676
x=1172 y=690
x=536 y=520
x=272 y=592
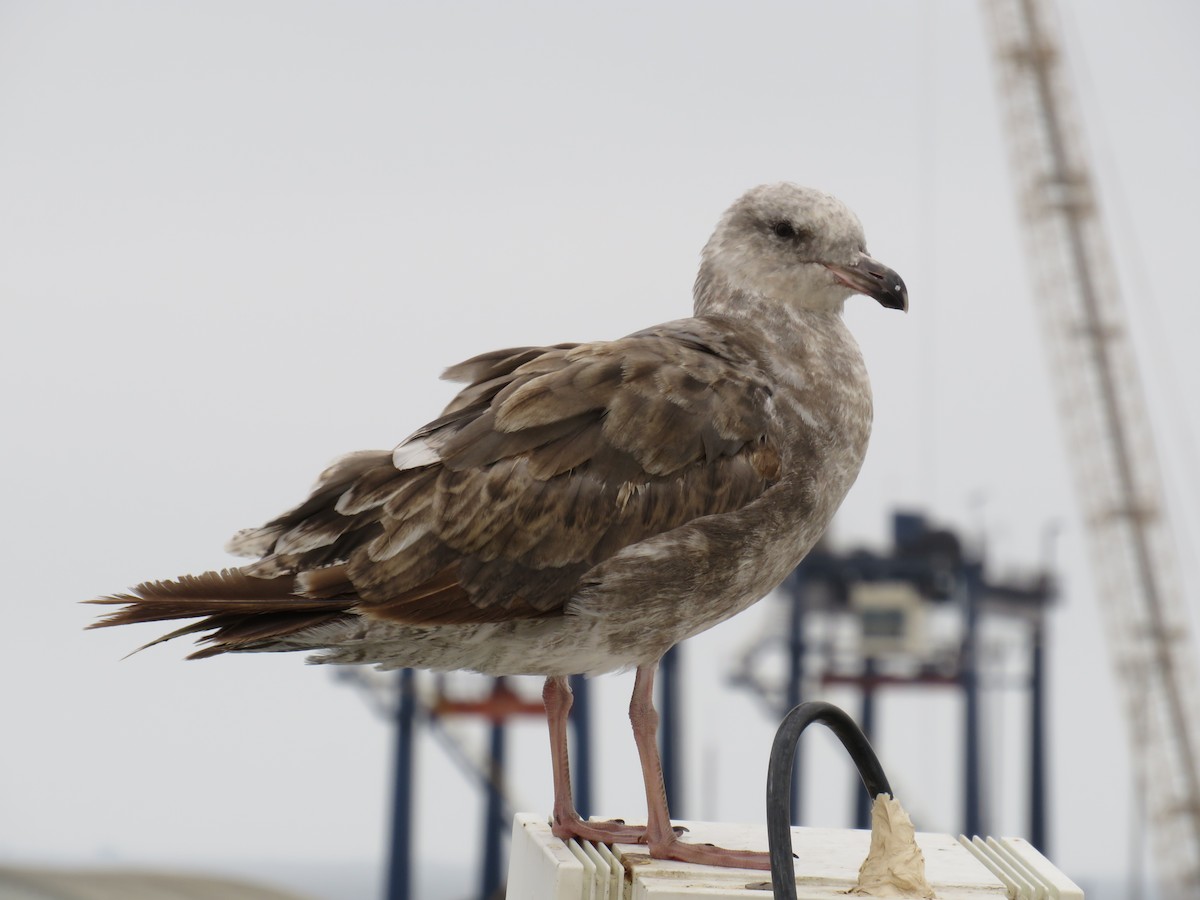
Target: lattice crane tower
x=1101 y=403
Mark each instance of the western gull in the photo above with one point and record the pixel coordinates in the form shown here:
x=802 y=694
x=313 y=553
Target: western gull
x=581 y=508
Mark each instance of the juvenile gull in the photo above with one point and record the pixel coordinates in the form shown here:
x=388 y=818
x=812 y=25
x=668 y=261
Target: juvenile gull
x=582 y=508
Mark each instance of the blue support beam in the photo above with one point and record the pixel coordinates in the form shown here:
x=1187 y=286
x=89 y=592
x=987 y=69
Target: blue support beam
x=399 y=873
x=581 y=753
x=1037 y=737
x=495 y=826
x=669 y=729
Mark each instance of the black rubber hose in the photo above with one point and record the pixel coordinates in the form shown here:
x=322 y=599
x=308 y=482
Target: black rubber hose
x=779 y=781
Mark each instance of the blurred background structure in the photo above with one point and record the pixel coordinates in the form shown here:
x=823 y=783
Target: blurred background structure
x=914 y=617
x=242 y=238
x=1102 y=405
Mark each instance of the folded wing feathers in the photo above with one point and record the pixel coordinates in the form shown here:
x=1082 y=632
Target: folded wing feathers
x=318 y=530
x=332 y=483
x=326 y=582
x=398 y=535
x=568 y=452
x=252 y=542
x=415 y=453
x=497 y=363
x=377 y=581
x=472 y=506
x=481 y=443
x=663 y=437
x=551 y=460
x=383 y=487
x=558 y=395
x=349 y=468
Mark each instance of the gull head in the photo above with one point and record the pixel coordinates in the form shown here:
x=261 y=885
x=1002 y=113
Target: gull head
x=792 y=245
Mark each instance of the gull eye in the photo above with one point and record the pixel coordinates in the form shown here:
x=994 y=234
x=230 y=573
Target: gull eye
x=784 y=230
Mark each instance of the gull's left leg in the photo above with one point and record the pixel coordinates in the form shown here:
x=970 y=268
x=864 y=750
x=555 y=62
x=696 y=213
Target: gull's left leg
x=662 y=839
x=566 y=822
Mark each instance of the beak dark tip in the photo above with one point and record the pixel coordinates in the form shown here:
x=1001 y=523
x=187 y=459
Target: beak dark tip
x=895 y=297
x=895 y=294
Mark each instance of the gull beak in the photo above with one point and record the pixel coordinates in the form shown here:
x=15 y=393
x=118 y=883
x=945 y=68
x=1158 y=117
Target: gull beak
x=871 y=277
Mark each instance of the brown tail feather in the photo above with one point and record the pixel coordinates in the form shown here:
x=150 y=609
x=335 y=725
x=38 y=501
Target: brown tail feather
x=240 y=612
x=260 y=632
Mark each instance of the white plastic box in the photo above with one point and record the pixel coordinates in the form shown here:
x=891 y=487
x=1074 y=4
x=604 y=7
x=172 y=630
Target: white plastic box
x=542 y=867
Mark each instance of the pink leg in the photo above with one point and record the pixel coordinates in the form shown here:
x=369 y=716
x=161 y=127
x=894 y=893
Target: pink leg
x=662 y=839
x=567 y=823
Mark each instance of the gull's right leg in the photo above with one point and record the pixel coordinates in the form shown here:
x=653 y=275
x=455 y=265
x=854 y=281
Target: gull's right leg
x=661 y=837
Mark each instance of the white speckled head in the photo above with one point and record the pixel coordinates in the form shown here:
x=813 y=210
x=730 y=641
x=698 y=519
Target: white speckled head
x=792 y=245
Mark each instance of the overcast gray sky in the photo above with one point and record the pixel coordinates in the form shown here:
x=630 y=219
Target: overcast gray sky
x=243 y=238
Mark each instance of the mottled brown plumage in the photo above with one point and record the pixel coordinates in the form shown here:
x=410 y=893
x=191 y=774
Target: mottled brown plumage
x=551 y=461
x=582 y=507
